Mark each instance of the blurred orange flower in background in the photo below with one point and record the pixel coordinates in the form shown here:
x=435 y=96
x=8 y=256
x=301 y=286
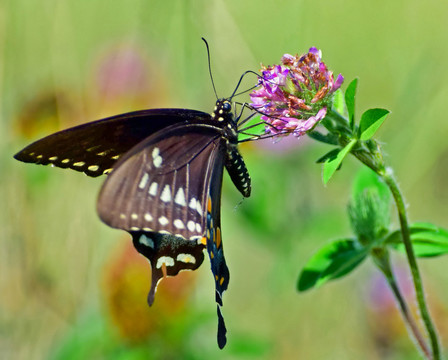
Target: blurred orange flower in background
x=126 y=285
x=45 y=113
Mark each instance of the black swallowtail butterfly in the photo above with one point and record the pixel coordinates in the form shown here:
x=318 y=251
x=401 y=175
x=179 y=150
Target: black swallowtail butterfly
x=165 y=171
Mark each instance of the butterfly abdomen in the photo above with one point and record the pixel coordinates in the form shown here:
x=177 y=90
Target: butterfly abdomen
x=237 y=170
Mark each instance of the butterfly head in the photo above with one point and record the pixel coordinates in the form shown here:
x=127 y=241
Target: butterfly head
x=223 y=111
x=222 y=117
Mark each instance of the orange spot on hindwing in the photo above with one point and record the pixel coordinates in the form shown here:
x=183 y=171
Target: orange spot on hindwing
x=209 y=205
x=218 y=237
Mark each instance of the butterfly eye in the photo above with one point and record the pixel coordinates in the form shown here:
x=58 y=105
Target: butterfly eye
x=226 y=106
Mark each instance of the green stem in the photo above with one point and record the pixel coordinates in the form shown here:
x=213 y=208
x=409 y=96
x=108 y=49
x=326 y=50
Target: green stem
x=370 y=156
x=406 y=237
x=409 y=319
x=383 y=263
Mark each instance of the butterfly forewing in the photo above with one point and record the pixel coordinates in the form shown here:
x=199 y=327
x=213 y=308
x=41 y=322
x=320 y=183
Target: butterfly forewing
x=159 y=185
x=95 y=147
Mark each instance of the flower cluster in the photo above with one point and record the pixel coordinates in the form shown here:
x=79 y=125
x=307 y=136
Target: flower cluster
x=294 y=97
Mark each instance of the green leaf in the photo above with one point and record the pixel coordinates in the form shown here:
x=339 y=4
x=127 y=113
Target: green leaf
x=338 y=101
x=328 y=124
x=369 y=217
x=350 y=94
x=366 y=178
x=332 y=164
x=427 y=240
x=367 y=181
x=332 y=261
x=369 y=208
x=394 y=237
x=327 y=138
x=427 y=244
x=425 y=226
x=370 y=122
x=328 y=156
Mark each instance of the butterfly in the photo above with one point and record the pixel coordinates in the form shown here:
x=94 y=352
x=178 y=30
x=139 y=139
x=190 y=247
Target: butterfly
x=165 y=170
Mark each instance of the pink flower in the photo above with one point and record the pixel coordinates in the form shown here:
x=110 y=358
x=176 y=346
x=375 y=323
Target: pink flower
x=294 y=97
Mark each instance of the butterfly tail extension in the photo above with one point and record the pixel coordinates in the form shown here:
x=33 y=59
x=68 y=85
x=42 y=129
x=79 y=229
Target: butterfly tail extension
x=167 y=254
x=222 y=331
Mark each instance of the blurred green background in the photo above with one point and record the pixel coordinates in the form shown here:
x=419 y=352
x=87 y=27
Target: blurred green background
x=72 y=288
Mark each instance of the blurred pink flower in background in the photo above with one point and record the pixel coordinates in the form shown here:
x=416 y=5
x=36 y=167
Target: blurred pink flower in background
x=125 y=78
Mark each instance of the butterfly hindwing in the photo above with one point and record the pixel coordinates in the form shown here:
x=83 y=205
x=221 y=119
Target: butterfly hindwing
x=215 y=248
x=164 y=203
x=94 y=147
x=171 y=205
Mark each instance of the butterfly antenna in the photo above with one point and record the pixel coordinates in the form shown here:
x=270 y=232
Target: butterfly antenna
x=239 y=83
x=210 y=67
